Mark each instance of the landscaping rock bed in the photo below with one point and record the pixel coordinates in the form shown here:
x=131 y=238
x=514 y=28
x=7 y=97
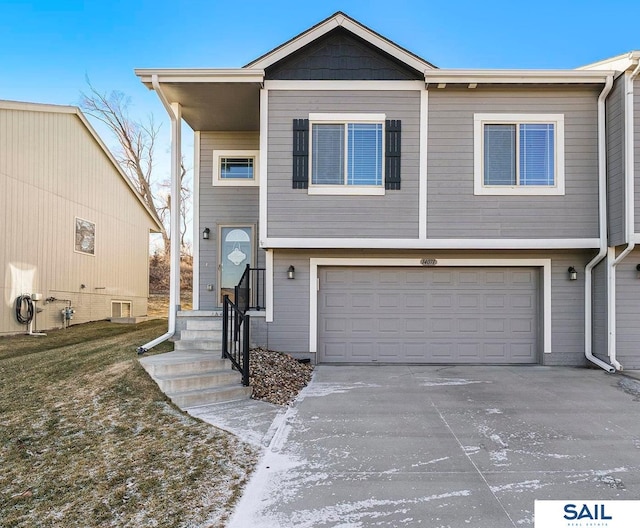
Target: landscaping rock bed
x=277 y=377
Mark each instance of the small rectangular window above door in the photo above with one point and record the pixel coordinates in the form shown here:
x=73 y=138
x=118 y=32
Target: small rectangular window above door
x=235 y=168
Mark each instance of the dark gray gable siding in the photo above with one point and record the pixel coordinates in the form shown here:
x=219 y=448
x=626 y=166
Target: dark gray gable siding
x=340 y=55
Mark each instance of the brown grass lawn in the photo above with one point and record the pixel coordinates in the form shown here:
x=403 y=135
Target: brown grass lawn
x=87 y=439
x=159 y=304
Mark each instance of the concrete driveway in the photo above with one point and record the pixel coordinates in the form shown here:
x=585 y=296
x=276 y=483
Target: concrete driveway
x=445 y=447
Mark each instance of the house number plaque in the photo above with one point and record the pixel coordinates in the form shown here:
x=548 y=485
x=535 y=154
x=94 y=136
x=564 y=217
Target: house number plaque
x=428 y=261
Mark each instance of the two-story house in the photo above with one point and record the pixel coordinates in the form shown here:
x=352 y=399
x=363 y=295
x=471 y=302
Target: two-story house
x=410 y=214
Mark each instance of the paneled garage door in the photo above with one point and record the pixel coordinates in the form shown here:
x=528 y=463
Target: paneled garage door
x=428 y=315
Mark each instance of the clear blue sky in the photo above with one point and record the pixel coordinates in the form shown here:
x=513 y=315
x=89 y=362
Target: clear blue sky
x=48 y=47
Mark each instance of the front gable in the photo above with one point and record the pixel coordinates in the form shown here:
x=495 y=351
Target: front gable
x=340 y=48
x=341 y=55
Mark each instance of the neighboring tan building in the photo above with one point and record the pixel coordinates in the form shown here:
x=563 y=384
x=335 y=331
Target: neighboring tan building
x=72 y=226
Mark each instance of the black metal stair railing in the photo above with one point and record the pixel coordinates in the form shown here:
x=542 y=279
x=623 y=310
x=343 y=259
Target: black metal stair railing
x=249 y=294
x=235 y=338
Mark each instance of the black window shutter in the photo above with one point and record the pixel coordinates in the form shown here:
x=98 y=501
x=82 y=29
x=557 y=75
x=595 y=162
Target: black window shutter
x=300 y=153
x=392 y=154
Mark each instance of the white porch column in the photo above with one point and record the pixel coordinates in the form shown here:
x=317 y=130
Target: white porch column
x=174 y=229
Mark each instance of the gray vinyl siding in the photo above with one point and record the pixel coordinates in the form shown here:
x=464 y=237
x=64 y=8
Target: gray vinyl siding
x=567 y=309
x=452 y=209
x=636 y=151
x=615 y=111
x=289 y=331
x=599 y=304
x=628 y=312
x=223 y=206
x=293 y=213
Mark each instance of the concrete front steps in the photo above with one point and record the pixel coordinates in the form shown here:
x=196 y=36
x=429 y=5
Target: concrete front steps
x=193 y=374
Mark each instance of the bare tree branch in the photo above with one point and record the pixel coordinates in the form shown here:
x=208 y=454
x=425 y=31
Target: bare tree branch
x=137 y=142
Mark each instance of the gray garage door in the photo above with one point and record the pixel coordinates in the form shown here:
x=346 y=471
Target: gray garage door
x=428 y=315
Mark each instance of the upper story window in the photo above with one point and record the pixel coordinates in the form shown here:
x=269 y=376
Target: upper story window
x=235 y=167
x=518 y=154
x=346 y=153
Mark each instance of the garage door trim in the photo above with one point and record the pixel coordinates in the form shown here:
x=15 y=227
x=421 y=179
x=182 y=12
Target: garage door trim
x=314 y=263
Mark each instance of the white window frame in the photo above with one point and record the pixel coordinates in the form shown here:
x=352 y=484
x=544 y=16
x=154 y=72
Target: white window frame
x=218 y=155
x=479 y=187
x=121 y=303
x=344 y=119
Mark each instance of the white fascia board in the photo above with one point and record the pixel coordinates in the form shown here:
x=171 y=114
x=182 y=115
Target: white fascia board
x=387 y=46
x=314 y=263
x=201 y=75
x=297 y=43
x=517 y=76
x=430 y=243
x=377 y=86
x=37 y=107
x=618 y=63
x=355 y=28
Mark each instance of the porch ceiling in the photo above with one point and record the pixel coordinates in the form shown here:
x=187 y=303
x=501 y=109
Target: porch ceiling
x=217 y=105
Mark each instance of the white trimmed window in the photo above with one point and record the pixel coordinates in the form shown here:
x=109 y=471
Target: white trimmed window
x=518 y=154
x=235 y=168
x=120 y=309
x=346 y=154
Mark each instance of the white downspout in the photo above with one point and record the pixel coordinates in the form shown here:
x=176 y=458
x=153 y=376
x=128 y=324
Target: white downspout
x=174 y=112
x=629 y=217
x=602 y=213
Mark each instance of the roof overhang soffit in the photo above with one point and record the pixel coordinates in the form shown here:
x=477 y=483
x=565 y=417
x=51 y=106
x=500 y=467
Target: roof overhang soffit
x=220 y=99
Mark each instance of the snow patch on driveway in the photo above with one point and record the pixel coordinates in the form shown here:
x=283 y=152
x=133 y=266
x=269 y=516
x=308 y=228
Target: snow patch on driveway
x=353 y=513
x=449 y=382
x=319 y=389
